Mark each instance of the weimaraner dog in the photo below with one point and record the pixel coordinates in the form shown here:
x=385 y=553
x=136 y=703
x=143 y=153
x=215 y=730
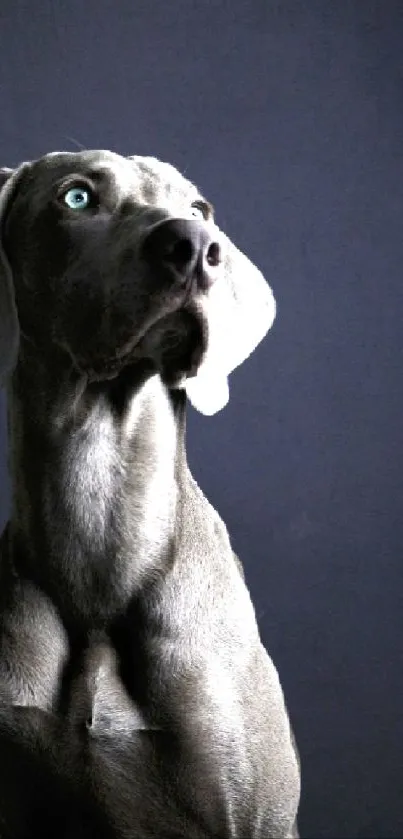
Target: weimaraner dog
x=137 y=699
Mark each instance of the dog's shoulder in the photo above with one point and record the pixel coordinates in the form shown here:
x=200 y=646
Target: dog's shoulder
x=203 y=525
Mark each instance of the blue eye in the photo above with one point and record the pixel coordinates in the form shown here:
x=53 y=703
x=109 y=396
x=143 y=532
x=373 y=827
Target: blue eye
x=77 y=198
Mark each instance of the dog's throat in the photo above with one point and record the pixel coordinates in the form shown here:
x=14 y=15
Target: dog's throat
x=102 y=497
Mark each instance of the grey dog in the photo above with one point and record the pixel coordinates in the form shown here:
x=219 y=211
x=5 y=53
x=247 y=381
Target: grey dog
x=131 y=668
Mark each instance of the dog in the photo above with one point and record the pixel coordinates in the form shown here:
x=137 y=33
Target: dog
x=130 y=657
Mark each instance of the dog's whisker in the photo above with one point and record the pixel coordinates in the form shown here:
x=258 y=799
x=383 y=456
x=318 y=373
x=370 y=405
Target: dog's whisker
x=75 y=143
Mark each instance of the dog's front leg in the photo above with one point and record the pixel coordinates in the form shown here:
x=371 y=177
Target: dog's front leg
x=42 y=788
x=235 y=763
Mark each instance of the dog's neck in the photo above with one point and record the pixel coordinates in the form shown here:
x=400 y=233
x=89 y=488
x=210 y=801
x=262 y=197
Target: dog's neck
x=94 y=470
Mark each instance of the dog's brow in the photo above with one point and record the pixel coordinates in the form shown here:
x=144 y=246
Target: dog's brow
x=99 y=173
x=94 y=173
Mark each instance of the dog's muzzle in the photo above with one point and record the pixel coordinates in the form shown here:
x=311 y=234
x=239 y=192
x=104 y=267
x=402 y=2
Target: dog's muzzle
x=183 y=251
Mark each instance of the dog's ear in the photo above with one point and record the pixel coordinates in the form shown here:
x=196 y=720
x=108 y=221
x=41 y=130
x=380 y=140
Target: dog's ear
x=240 y=310
x=9 y=328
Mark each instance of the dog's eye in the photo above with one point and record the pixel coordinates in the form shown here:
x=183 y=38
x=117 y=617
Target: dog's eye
x=200 y=209
x=77 y=198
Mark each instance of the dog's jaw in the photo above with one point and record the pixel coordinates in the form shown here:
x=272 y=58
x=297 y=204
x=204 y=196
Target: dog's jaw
x=174 y=347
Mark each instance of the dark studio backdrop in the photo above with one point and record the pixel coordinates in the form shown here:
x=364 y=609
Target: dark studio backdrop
x=289 y=116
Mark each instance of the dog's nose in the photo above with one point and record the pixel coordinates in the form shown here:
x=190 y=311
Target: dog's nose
x=183 y=248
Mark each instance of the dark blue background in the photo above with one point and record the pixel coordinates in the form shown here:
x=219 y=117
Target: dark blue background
x=289 y=116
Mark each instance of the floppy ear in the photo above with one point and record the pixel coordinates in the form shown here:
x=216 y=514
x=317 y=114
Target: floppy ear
x=9 y=329
x=240 y=310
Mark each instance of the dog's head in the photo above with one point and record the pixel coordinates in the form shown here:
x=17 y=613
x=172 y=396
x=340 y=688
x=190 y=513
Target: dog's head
x=108 y=260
